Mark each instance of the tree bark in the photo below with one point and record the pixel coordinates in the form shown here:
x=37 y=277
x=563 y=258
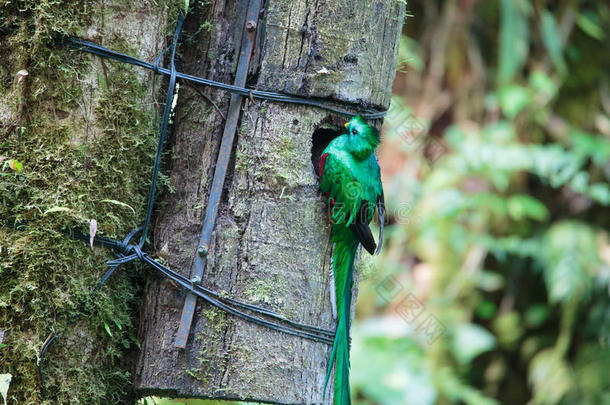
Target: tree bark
x=270 y=241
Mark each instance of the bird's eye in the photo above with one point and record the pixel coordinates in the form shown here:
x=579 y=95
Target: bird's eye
x=354 y=131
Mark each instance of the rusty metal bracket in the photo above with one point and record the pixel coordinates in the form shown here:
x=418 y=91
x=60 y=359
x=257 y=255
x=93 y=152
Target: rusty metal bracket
x=222 y=163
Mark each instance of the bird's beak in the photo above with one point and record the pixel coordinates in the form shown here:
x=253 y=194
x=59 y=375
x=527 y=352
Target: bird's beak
x=346 y=124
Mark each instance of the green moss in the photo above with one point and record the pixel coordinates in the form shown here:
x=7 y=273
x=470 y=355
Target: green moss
x=76 y=164
x=195 y=374
x=277 y=165
x=259 y=291
x=217 y=319
x=287 y=149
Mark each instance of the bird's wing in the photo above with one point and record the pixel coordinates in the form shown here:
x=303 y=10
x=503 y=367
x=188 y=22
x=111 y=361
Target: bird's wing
x=361 y=228
x=379 y=201
x=381 y=211
x=341 y=187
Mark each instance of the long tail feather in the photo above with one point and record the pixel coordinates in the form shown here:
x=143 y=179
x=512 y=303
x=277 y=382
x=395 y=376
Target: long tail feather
x=333 y=293
x=346 y=245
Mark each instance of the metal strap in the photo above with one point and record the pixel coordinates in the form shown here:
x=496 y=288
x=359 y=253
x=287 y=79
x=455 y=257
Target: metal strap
x=222 y=163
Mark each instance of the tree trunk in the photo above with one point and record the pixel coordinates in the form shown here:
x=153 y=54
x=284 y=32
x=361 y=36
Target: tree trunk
x=270 y=240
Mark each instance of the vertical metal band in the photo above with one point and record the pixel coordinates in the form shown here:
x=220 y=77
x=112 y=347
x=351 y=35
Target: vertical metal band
x=222 y=163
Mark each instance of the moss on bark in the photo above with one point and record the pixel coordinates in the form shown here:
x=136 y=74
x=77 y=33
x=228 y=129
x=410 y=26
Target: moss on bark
x=85 y=133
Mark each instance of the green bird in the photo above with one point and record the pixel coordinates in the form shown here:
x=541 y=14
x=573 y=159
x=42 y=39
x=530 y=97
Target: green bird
x=350 y=178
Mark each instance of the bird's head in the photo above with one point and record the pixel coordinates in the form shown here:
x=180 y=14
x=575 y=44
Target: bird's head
x=363 y=139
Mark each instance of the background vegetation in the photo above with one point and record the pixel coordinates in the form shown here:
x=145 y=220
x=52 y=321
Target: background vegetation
x=493 y=287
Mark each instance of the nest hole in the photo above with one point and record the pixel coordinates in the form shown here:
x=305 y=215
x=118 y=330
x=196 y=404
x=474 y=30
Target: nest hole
x=320 y=138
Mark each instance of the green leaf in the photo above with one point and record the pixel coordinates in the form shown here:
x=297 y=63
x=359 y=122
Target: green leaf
x=588 y=22
x=513 y=245
x=514 y=39
x=536 y=315
x=588 y=145
x=486 y=309
x=570 y=259
x=522 y=206
x=5 y=382
x=388 y=368
x=56 y=209
x=15 y=165
x=122 y=204
x=591 y=369
x=489 y=281
x=508 y=328
x=107 y=329
x=549 y=376
x=459 y=392
x=501 y=132
x=470 y=340
x=102 y=81
x=513 y=99
x=600 y=192
x=551 y=37
x=542 y=84
x=408 y=55
x=186 y=6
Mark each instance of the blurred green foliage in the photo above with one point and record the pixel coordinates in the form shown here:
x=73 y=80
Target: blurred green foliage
x=493 y=287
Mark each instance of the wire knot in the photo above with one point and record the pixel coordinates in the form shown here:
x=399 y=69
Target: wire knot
x=138 y=251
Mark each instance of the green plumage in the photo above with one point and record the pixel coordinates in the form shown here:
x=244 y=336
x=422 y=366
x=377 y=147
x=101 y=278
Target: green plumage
x=350 y=178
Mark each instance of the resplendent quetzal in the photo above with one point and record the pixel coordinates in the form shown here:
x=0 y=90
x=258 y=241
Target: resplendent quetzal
x=350 y=178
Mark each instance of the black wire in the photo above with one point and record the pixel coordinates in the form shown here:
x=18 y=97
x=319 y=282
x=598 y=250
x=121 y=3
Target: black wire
x=125 y=248
x=87 y=46
x=217 y=300
x=128 y=252
x=163 y=130
x=43 y=350
x=200 y=292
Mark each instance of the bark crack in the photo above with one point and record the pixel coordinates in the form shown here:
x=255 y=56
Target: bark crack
x=313 y=34
x=304 y=34
x=286 y=40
